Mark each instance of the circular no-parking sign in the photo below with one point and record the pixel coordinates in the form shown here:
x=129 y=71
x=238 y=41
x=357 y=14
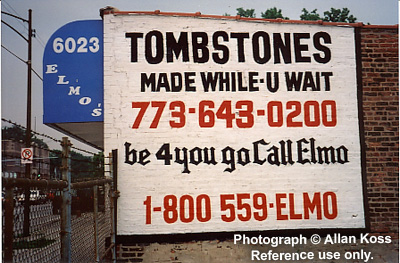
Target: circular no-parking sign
x=26 y=155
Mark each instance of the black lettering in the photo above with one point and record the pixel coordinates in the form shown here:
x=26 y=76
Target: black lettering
x=323 y=155
x=256 y=152
x=286 y=153
x=309 y=81
x=281 y=47
x=134 y=44
x=224 y=81
x=209 y=159
x=342 y=155
x=183 y=161
x=269 y=81
x=164 y=154
x=233 y=81
x=195 y=156
x=209 y=81
x=148 y=81
x=317 y=44
x=243 y=156
x=174 y=47
x=225 y=50
x=228 y=157
x=240 y=82
x=312 y=146
x=163 y=82
x=128 y=152
x=298 y=47
x=293 y=81
x=326 y=75
x=273 y=158
x=176 y=82
x=240 y=44
x=253 y=80
x=189 y=80
x=143 y=156
x=159 y=48
x=199 y=43
x=300 y=151
x=266 y=56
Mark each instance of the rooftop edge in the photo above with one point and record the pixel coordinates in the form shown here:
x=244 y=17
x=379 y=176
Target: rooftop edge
x=111 y=10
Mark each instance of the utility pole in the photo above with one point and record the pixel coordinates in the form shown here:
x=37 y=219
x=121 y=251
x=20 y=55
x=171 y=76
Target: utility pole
x=65 y=233
x=28 y=126
x=28 y=111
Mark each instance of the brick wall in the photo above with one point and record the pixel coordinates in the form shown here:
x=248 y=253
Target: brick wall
x=380 y=65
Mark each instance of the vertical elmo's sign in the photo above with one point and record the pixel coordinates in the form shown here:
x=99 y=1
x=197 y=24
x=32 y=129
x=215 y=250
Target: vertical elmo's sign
x=225 y=125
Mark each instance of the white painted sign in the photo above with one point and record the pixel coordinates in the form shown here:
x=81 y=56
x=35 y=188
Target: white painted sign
x=226 y=125
x=26 y=155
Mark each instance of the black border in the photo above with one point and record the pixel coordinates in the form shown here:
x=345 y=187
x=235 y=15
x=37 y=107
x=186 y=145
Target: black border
x=227 y=236
x=306 y=232
x=357 y=35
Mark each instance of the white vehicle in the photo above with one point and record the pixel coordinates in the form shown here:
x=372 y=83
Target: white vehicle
x=36 y=197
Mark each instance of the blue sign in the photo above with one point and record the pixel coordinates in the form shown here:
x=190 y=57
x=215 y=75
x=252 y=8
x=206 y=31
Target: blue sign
x=73 y=73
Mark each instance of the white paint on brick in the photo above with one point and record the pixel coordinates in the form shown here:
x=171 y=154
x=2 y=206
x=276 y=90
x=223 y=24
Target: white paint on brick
x=122 y=86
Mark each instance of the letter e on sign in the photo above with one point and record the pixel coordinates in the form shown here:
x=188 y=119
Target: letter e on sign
x=26 y=155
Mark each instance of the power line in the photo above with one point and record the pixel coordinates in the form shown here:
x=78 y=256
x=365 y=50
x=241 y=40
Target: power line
x=15 y=12
x=15 y=30
x=37 y=36
x=12 y=53
x=40 y=40
x=11 y=8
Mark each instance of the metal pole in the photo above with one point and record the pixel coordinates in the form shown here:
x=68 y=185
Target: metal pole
x=115 y=177
x=113 y=209
x=28 y=127
x=8 y=225
x=29 y=99
x=112 y=227
x=66 y=203
x=96 y=223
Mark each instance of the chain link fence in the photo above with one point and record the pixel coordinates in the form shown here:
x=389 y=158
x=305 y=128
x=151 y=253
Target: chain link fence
x=59 y=211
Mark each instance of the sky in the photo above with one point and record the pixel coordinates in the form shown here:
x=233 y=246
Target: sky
x=50 y=15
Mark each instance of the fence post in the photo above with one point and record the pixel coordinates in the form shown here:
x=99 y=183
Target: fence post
x=96 y=223
x=66 y=202
x=8 y=225
x=114 y=196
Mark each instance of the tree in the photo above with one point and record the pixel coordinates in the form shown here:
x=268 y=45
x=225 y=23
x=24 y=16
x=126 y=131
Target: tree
x=310 y=16
x=245 y=13
x=273 y=13
x=338 y=15
x=17 y=134
x=13 y=133
x=82 y=167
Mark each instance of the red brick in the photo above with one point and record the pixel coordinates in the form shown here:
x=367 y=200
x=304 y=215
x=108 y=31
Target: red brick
x=380 y=66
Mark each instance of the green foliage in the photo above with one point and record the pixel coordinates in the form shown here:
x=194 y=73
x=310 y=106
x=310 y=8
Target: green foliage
x=13 y=133
x=310 y=16
x=339 y=15
x=273 y=13
x=82 y=167
x=334 y=15
x=17 y=134
x=245 y=13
